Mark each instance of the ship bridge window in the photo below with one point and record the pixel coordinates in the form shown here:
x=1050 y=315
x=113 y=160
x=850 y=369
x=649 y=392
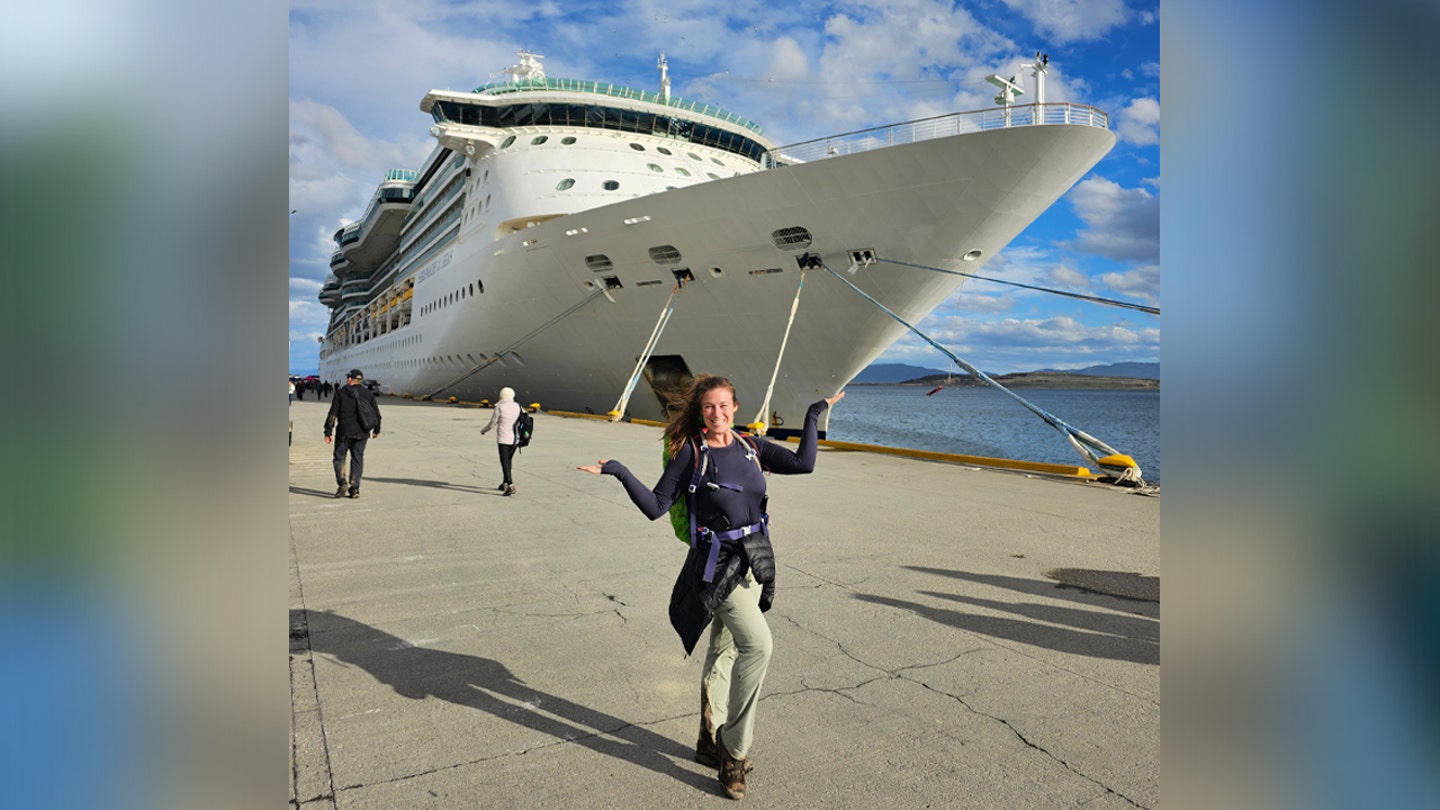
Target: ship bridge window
x=539 y=139
x=611 y=185
x=792 y=238
x=665 y=254
x=505 y=144
x=565 y=184
x=662 y=150
x=637 y=147
x=567 y=140
x=600 y=263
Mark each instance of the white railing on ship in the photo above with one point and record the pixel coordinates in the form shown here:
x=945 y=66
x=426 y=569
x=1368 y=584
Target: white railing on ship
x=943 y=126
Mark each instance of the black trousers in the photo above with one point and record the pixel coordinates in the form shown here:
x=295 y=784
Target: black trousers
x=507 y=452
x=355 y=446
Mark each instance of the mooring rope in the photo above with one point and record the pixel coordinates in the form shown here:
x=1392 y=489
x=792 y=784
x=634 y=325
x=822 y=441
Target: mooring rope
x=759 y=425
x=650 y=344
x=513 y=346
x=1088 y=446
x=1096 y=299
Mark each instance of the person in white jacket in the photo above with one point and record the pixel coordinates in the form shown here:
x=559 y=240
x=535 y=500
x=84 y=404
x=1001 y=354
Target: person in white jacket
x=507 y=410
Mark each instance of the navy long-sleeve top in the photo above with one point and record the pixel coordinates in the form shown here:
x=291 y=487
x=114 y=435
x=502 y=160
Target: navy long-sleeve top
x=729 y=465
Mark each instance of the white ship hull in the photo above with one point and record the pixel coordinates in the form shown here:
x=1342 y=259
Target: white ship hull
x=926 y=203
x=541 y=241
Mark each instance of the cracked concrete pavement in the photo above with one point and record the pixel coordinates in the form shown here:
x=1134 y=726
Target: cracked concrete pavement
x=452 y=648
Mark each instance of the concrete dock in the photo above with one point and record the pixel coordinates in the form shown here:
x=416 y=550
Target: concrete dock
x=452 y=648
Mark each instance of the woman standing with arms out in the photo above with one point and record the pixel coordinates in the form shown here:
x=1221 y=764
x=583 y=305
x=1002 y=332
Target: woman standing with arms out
x=729 y=573
x=507 y=410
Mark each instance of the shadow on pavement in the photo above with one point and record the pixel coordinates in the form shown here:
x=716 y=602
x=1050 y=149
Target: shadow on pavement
x=1094 y=633
x=422 y=482
x=489 y=686
x=1051 y=589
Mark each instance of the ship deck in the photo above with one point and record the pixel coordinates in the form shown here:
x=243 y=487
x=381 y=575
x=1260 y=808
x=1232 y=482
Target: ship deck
x=454 y=648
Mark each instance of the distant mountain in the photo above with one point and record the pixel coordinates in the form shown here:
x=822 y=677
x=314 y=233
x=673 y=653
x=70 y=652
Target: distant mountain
x=893 y=373
x=890 y=373
x=1144 y=371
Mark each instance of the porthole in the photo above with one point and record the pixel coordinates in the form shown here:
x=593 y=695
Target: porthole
x=565 y=184
x=611 y=185
x=637 y=147
x=662 y=150
x=505 y=144
x=539 y=139
x=682 y=171
x=712 y=175
x=971 y=256
x=654 y=167
x=567 y=140
x=716 y=272
x=717 y=161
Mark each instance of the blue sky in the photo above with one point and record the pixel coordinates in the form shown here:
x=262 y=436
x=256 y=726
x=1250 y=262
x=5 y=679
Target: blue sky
x=801 y=70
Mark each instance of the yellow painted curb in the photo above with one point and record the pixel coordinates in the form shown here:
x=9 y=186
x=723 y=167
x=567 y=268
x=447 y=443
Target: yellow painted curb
x=953 y=458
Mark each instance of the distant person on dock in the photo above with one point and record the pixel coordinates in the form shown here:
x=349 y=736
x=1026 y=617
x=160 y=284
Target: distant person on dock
x=354 y=418
x=507 y=411
x=729 y=572
x=292 y=390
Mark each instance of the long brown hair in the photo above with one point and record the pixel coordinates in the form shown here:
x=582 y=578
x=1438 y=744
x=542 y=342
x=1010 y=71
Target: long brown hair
x=685 y=418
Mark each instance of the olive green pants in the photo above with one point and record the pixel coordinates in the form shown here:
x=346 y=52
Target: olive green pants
x=735 y=665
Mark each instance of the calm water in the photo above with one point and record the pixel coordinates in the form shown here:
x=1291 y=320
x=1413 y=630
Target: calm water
x=986 y=422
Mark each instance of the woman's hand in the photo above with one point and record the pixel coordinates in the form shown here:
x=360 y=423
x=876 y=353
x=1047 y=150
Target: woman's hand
x=595 y=468
x=832 y=400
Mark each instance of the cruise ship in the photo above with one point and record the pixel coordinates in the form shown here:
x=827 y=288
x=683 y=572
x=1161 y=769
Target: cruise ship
x=593 y=246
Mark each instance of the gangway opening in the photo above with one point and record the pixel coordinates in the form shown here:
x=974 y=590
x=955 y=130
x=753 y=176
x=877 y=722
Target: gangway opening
x=669 y=377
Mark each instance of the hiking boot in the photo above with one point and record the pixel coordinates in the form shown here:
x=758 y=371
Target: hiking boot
x=732 y=772
x=705 y=752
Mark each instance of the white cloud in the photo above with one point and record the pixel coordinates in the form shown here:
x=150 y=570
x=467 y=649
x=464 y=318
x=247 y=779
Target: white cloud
x=1013 y=344
x=1141 y=282
x=1139 y=122
x=304 y=286
x=1120 y=223
x=1065 y=21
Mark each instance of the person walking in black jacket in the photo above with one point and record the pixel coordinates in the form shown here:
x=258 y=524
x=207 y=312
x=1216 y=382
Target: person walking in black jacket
x=354 y=418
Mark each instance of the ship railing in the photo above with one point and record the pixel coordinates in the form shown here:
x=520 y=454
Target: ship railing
x=943 y=126
x=615 y=91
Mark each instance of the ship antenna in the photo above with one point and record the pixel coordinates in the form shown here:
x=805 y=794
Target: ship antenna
x=1038 y=68
x=664 y=77
x=529 y=67
x=1008 y=91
